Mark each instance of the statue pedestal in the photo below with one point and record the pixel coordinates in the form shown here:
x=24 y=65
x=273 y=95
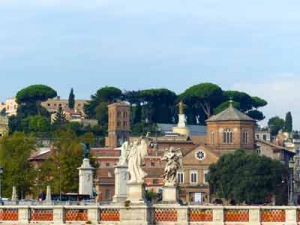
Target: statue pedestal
x=170 y=194
x=121 y=179
x=136 y=193
x=86 y=178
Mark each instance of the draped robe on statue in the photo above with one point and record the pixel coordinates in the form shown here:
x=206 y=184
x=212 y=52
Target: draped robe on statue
x=135 y=158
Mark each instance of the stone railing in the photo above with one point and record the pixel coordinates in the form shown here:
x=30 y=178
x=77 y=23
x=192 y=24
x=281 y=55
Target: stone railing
x=156 y=214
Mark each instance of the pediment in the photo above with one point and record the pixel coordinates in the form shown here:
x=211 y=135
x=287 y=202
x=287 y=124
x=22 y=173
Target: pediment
x=200 y=155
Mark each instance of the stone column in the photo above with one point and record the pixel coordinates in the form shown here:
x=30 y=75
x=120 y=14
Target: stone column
x=254 y=215
x=58 y=215
x=48 y=200
x=121 y=179
x=136 y=193
x=93 y=215
x=182 y=215
x=135 y=215
x=218 y=215
x=14 y=196
x=291 y=216
x=23 y=214
x=170 y=194
x=86 y=178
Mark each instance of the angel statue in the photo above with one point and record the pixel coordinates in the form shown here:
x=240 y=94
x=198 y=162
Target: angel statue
x=173 y=159
x=135 y=158
x=86 y=150
x=124 y=153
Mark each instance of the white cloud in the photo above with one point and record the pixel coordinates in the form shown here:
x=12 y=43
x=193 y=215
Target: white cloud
x=280 y=91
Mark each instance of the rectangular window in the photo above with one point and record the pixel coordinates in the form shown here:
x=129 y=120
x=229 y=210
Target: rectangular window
x=265 y=137
x=205 y=173
x=107 y=164
x=194 y=177
x=212 y=137
x=245 y=137
x=107 y=195
x=180 y=177
x=155 y=181
x=258 y=150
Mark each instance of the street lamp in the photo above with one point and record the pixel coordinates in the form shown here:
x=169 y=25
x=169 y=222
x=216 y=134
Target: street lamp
x=1 y=172
x=291 y=189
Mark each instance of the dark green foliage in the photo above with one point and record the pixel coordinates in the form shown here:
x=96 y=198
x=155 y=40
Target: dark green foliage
x=71 y=100
x=245 y=100
x=204 y=96
x=39 y=124
x=255 y=114
x=142 y=128
x=61 y=168
x=288 y=126
x=158 y=105
x=258 y=102
x=225 y=105
x=245 y=103
x=104 y=95
x=137 y=113
x=15 y=151
x=3 y=112
x=246 y=177
x=60 y=118
x=35 y=93
x=275 y=124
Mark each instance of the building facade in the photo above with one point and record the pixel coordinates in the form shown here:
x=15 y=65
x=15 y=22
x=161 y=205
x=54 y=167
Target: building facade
x=3 y=125
x=118 y=124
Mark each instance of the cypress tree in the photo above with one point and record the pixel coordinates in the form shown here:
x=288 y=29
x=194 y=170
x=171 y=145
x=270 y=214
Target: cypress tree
x=288 y=126
x=71 y=101
x=60 y=118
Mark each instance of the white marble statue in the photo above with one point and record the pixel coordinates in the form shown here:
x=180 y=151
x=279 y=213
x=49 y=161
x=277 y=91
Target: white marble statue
x=173 y=158
x=136 y=154
x=125 y=148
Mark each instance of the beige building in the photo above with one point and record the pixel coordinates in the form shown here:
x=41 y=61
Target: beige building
x=11 y=106
x=51 y=105
x=3 y=125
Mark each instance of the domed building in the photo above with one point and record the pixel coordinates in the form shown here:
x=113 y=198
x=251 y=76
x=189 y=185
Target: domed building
x=230 y=130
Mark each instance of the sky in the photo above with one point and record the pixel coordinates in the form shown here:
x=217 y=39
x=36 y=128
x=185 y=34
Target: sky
x=251 y=46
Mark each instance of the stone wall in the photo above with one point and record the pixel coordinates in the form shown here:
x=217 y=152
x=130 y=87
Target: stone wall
x=156 y=214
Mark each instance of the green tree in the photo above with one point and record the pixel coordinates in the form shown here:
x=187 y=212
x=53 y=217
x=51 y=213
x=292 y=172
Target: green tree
x=288 y=125
x=246 y=177
x=275 y=124
x=243 y=102
x=225 y=105
x=60 y=118
x=158 y=105
x=71 y=101
x=204 y=96
x=35 y=94
x=60 y=169
x=15 y=150
x=135 y=99
x=106 y=94
x=39 y=124
x=3 y=112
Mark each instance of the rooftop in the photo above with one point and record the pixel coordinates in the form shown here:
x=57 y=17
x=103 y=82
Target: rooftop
x=230 y=114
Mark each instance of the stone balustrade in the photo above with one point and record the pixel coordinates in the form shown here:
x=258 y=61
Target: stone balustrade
x=155 y=214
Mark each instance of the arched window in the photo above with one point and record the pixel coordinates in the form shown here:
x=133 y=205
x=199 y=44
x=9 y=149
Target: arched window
x=212 y=137
x=227 y=136
x=245 y=137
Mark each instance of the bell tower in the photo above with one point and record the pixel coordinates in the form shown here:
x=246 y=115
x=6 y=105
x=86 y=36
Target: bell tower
x=118 y=124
